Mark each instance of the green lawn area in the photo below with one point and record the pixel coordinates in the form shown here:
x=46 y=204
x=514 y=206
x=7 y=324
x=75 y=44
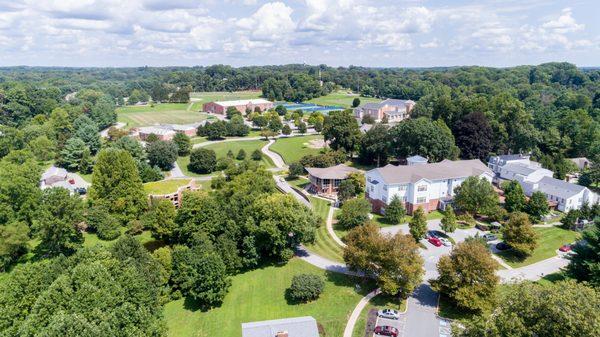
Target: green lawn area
x=549 y=240
x=260 y=295
x=211 y=96
x=175 y=113
x=299 y=182
x=165 y=186
x=380 y=219
x=293 y=148
x=198 y=140
x=249 y=146
x=324 y=244
x=378 y=302
x=342 y=98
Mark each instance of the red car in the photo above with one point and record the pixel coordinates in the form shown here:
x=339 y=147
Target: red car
x=385 y=330
x=565 y=248
x=435 y=241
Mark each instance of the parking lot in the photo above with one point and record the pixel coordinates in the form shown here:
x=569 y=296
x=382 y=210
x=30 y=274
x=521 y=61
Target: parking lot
x=396 y=323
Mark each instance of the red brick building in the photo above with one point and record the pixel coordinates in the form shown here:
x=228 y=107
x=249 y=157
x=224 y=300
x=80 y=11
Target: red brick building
x=240 y=105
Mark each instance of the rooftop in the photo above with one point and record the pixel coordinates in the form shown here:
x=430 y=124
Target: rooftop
x=446 y=169
x=243 y=102
x=558 y=187
x=54 y=171
x=507 y=157
x=295 y=327
x=388 y=102
x=157 y=130
x=520 y=169
x=340 y=171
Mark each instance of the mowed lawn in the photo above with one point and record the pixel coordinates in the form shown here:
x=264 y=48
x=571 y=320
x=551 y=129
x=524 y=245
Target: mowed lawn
x=200 y=98
x=165 y=186
x=549 y=241
x=291 y=149
x=260 y=295
x=324 y=244
x=342 y=98
x=164 y=113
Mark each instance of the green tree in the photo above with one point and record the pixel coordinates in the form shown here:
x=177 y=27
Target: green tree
x=431 y=139
x=162 y=154
x=355 y=102
x=537 y=206
x=448 y=222
x=116 y=185
x=275 y=124
x=183 y=142
x=476 y=196
x=90 y=136
x=286 y=130
x=375 y=146
x=137 y=96
x=72 y=153
x=520 y=235
x=346 y=190
x=395 y=211
x=241 y=155
x=202 y=161
x=281 y=110
x=232 y=111
x=160 y=219
x=256 y=155
x=14 y=238
x=585 y=263
x=56 y=222
x=103 y=223
x=342 y=131
x=354 y=212
x=515 y=199
x=302 y=127
x=418 y=224
x=296 y=169
x=468 y=276
x=306 y=287
x=42 y=148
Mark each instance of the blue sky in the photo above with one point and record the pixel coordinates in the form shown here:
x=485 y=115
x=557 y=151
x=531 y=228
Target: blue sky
x=378 y=33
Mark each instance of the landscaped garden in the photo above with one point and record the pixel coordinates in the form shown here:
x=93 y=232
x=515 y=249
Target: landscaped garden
x=293 y=148
x=249 y=300
x=163 y=113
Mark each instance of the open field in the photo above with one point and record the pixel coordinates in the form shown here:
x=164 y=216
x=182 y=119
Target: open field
x=164 y=113
x=165 y=186
x=293 y=148
x=249 y=146
x=200 y=98
x=250 y=300
x=549 y=240
x=341 y=98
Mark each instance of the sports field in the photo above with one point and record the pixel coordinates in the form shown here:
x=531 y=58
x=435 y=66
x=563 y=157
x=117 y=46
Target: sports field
x=212 y=96
x=341 y=98
x=165 y=113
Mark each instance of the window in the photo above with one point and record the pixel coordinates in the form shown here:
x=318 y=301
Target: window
x=402 y=187
x=384 y=199
x=385 y=187
x=422 y=188
x=421 y=200
x=369 y=179
x=372 y=188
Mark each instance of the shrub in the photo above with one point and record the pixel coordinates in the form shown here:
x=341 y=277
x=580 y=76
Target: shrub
x=296 y=169
x=306 y=287
x=203 y=161
x=256 y=155
x=135 y=227
x=108 y=228
x=354 y=212
x=241 y=155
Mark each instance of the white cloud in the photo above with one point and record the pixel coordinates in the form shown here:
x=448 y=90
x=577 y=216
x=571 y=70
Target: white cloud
x=272 y=21
x=431 y=44
x=565 y=23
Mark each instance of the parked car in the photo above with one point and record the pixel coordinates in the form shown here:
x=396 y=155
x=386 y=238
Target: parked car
x=482 y=227
x=435 y=241
x=502 y=246
x=565 y=248
x=432 y=234
x=388 y=313
x=489 y=237
x=386 y=330
x=446 y=242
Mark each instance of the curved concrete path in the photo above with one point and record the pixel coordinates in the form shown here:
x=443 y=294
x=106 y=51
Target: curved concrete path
x=329 y=225
x=275 y=157
x=357 y=311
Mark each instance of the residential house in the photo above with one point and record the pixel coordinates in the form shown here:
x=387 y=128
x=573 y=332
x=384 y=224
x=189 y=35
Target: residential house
x=581 y=162
x=287 y=327
x=426 y=186
x=53 y=175
x=240 y=105
x=326 y=181
x=59 y=177
x=396 y=110
x=495 y=163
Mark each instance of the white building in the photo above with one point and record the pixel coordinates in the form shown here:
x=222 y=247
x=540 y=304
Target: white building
x=566 y=196
x=495 y=163
x=395 y=110
x=287 y=327
x=428 y=186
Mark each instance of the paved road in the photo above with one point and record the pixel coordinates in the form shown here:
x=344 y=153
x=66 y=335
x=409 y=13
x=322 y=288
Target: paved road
x=421 y=318
x=329 y=224
x=324 y=263
x=104 y=133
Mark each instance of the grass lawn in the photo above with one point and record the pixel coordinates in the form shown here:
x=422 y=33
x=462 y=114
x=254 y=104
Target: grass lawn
x=175 y=113
x=249 y=146
x=164 y=186
x=299 y=182
x=342 y=98
x=211 y=96
x=378 y=302
x=549 y=240
x=553 y=278
x=260 y=295
x=293 y=148
x=380 y=219
x=86 y=177
x=198 y=140
x=324 y=244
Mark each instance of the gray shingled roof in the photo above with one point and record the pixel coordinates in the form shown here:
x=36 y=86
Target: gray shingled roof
x=559 y=188
x=295 y=327
x=389 y=101
x=446 y=169
x=519 y=168
x=340 y=171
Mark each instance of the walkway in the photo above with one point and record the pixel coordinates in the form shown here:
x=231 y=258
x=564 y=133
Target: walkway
x=329 y=225
x=104 y=133
x=357 y=311
x=324 y=263
x=287 y=188
x=176 y=172
x=275 y=157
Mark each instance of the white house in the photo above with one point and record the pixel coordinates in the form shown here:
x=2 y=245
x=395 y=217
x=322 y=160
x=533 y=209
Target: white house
x=525 y=175
x=495 y=163
x=566 y=196
x=428 y=186
x=395 y=110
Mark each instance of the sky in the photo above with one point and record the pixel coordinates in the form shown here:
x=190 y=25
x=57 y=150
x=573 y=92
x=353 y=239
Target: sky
x=377 y=33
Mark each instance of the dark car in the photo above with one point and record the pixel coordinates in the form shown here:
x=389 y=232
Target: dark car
x=502 y=246
x=385 y=330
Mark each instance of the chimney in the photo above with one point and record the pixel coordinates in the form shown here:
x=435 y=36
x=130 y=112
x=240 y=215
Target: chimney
x=281 y=334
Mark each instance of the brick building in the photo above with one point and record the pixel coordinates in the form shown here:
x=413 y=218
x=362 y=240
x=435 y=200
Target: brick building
x=240 y=105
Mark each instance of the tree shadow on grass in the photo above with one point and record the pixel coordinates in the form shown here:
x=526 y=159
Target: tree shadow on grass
x=361 y=285
x=511 y=257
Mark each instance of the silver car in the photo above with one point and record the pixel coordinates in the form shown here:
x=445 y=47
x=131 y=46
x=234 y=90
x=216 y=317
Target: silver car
x=388 y=313
x=446 y=242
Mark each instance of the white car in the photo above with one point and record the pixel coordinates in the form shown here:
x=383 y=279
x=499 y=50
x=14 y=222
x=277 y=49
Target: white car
x=388 y=313
x=446 y=242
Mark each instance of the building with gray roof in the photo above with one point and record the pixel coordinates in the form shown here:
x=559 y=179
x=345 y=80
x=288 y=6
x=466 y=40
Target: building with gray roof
x=395 y=110
x=287 y=327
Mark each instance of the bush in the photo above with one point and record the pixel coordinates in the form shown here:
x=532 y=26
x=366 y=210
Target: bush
x=241 y=155
x=306 y=287
x=135 y=227
x=256 y=155
x=203 y=161
x=354 y=212
x=224 y=162
x=296 y=169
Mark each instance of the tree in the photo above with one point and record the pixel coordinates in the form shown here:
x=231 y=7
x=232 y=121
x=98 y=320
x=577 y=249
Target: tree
x=476 y=196
x=137 y=96
x=519 y=234
x=116 y=185
x=267 y=133
x=56 y=222
x=241 y=155
x=306 y=287
x=514 y=196
x=474 y=136
x=200 y=273
x=585 y=263
x=302 y=128
x=354 y=212
x=530 y=309
x=430 y=139
x=256 y=155
x=106 y=226
x=286 y=130
x=296 y=169
x=346 y=190
x=71 y=154
x=355 y=102
x=418 y=224
x=275 y=124
x=202 y=161
x=468 y=276
x=537 y=206
x=375 y=146
x=448 y=222
x=162 y=154
x=42 y=148
x=395 y=211
x=14 y=238
x=281 y=110
x=160 y=219
x=341 y=130
x=183 y=142
x=318 y=125
x=393 y=261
